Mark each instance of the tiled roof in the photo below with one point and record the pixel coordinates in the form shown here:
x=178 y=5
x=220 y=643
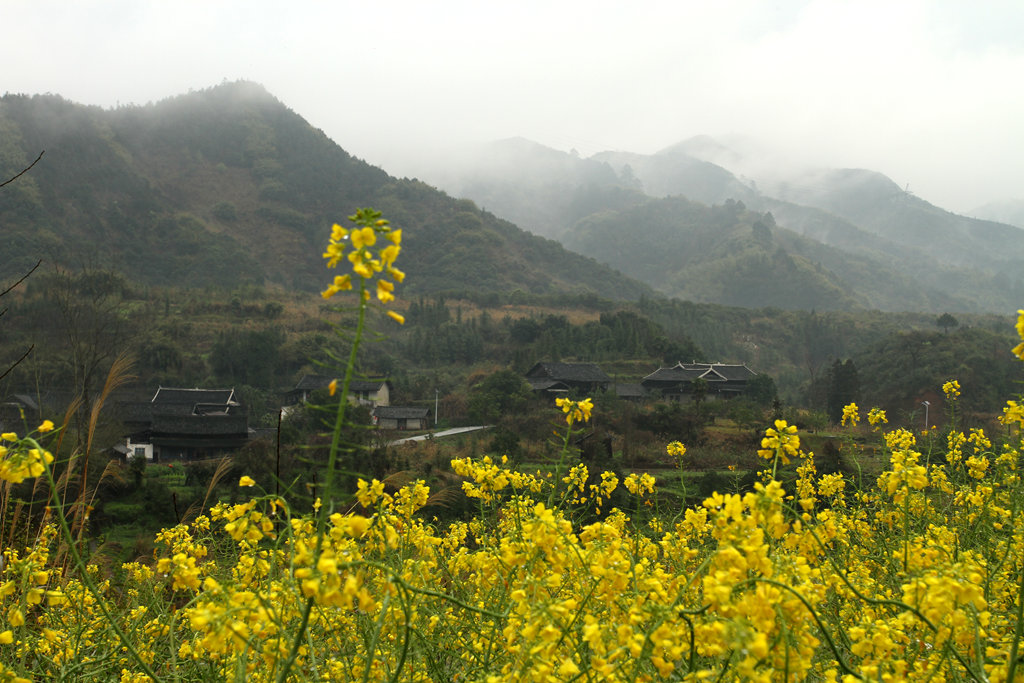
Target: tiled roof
x=400 y=412
x=674 y=374
x=630 y=390
x=366 y=384
x=735 y=372
x=205 y=425
x=569 y=372
x=167 y=395
x=313 y=382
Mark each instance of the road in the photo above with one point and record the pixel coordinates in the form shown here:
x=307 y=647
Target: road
x=438 y=435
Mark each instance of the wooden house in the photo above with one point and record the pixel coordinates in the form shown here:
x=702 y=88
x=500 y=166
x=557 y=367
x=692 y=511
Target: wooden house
x=401 y=417
x=719 y=380
x=371 y=393
x=186 y=424
x=563 y=378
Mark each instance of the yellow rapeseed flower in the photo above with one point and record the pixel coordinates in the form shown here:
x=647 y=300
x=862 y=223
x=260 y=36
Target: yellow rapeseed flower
x=780 y=440
x=951 y=389
x=364 y=237
x=575 y=411
x=246 y=480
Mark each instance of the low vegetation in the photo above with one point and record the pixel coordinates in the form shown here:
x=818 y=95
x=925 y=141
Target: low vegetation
x=889 y=554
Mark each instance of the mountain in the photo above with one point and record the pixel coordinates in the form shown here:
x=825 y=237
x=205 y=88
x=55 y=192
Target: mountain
x=1009 y=211
x=880 y=246
x=730 y=255
x=879 y=206
x=228 y=186
x=540 y=189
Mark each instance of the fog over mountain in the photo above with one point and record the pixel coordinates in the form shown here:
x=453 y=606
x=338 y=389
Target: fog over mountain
x=1008 y=211
x=754 y=233
x=921 y=91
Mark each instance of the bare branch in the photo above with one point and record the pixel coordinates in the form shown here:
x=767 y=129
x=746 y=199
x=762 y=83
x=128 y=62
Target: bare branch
x=18 y=362
x=23 y=277
x=24 y=170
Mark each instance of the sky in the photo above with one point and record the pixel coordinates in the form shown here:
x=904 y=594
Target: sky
x=927 y=92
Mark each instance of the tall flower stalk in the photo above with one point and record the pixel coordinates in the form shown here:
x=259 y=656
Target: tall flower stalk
x=370 y=269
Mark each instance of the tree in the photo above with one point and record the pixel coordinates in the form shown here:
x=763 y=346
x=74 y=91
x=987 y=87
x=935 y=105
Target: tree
x=946 y=321
x=843 y=387
x=761 y=389
x=504 y=392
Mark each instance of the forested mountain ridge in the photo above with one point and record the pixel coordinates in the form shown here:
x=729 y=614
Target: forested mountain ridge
x=856 y=229
x=228 y=186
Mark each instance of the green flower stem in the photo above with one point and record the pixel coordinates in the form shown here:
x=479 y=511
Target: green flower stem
x=350 y=369
x=1018 y=632
x=332 y=463
x=79 y=562
x=560 y=463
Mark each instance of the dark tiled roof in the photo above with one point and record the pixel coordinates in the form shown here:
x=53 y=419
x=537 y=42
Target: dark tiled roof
x=674 y=374
x=400 y=412
x=630 y=390
x=313 y=382
x=201 y=425
x=545 y=384
x=569 y=372
x=165 y=395
x=731 y=373
x=366 y=384
x=713 y=372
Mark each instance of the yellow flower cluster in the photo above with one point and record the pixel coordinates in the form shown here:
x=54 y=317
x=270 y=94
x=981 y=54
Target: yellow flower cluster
x=851 y=413
x=1018 y=350
x=908 y=580
x=780 y=441
x=876 y=417
x=676 y=450
x=22 y=459
x=366 y=262
x=575 y=411
x=951 y=389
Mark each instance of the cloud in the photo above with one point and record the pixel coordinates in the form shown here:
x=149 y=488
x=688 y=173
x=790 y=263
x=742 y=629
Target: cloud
x=924 y=91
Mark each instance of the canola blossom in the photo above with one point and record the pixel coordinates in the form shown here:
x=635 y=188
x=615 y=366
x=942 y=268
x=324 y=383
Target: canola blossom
x=575 y=411
x=851 y=414
x=819 y=582
x=367 y=264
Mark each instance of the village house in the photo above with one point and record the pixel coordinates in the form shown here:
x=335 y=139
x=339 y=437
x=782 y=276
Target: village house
x=562 y=378
x=717 y=380
x=185 y=424
x=401 y=417
x=371 y=393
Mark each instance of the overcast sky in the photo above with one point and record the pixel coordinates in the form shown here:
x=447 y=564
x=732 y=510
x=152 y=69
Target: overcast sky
x=929 y=93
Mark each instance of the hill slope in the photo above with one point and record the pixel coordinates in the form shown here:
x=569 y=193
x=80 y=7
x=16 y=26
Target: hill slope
x=228 y=185
x=882 y=249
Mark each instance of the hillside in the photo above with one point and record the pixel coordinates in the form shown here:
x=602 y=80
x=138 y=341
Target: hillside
x=228 y=186
x=852 y=234
x=730 y=255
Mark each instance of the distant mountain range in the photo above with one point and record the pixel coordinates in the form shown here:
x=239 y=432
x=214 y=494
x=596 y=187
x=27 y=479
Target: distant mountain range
x=1009 y=211
x=839 y=238
x=228 y=186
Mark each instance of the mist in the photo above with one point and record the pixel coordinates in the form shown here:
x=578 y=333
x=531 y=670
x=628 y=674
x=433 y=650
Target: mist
x=921 y=91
